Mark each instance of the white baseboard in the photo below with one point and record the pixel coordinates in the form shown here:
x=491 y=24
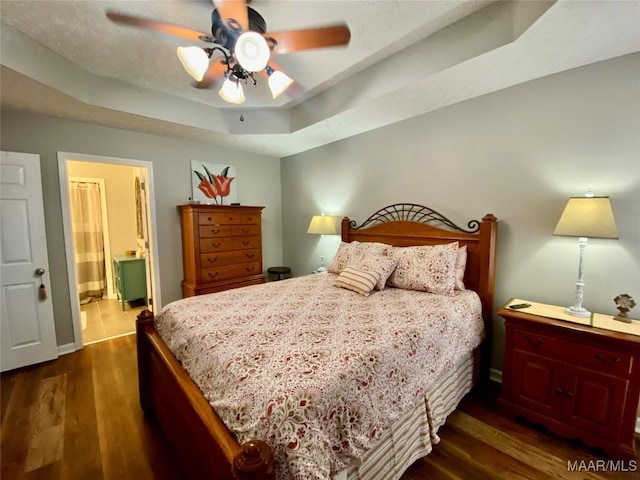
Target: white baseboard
x=496 y=376
x=67 y=348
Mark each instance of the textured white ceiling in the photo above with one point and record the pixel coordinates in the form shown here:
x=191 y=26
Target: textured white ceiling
x=405 y=58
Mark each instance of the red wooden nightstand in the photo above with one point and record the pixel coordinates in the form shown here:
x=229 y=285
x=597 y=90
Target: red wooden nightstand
x=579 y=381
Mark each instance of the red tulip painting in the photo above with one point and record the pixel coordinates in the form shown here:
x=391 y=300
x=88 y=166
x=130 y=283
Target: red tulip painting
x=213 y=188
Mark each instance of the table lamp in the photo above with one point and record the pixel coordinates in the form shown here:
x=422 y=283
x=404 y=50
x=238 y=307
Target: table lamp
x=322 y=225
x=585 y=217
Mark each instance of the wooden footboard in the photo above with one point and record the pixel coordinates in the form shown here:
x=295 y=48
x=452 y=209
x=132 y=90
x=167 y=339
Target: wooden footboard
x=203 y=443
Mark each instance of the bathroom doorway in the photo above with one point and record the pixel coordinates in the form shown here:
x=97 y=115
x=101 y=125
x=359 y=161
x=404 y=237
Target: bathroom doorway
x=102 y=198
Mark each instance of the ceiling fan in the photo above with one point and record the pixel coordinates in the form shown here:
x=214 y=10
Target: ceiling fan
x=239 y=34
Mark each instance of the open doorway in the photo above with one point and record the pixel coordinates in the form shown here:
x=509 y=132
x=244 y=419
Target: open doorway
x=110 y=241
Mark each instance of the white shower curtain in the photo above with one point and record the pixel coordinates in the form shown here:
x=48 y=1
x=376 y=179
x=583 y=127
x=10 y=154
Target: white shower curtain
x=88 y=240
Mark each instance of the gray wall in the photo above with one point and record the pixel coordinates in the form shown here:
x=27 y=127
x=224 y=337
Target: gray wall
x=258 y=184
x=520 y=154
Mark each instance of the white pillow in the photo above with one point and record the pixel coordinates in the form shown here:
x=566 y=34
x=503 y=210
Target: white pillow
x=461 y=265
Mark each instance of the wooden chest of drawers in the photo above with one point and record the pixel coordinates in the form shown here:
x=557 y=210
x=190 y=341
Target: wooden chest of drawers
x=221 y=247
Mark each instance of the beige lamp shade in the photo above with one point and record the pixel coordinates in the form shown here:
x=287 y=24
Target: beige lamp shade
x=589 y=217
x=322 y=225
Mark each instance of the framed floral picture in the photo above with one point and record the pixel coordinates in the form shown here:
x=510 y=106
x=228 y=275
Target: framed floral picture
x=213 y=183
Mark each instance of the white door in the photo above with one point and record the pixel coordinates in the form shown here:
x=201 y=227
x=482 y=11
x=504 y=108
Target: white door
x=28 y=333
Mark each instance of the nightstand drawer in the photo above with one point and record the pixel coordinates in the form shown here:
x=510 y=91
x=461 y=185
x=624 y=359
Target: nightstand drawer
x=597 y=358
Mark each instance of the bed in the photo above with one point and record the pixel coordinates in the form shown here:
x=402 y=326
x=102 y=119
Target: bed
x=386 y=444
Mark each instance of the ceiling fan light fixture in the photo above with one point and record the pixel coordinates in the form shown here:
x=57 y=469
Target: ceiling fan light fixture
x=252 y=51
x=194 y=60
x=232 y=92
x=278 y=82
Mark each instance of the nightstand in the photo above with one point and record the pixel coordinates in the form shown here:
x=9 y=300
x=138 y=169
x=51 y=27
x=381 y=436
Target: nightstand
x=130 y=278
x=577 y=380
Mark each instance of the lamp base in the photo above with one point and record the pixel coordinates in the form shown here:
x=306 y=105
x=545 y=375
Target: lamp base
x=577 y=311
x=321 y=269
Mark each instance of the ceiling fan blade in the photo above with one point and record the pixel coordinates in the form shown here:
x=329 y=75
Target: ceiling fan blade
x=307 y=39
x=162 y=27
x=214 y=73
x=233 y=10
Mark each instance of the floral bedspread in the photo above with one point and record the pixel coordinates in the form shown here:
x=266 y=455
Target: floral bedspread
x=317 y=371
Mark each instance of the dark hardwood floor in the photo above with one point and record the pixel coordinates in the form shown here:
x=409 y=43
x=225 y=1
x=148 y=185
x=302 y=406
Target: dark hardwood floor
x=78 y=418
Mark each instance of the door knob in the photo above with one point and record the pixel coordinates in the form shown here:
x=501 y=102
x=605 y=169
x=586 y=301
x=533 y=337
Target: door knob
x=39 y=272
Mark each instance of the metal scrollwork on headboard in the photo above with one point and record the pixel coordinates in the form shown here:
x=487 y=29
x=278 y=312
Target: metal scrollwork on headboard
x=414 y=213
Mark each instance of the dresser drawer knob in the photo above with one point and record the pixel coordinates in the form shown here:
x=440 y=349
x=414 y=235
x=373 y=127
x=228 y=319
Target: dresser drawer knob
x=212 y=259
x=569 y=394
x=250 y=269
x=245 y=230
x=215 y=232
x=216 y=245
x=213 y=275
x=249 y=255
x=209 y=218
x=558 y=391
x=246 y=242
x=616 y=359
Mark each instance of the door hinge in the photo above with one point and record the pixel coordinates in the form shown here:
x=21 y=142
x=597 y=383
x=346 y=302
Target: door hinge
x=150 y=301
x=142 y=187
x=146 y=244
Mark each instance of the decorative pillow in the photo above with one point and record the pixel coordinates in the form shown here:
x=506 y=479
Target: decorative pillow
x=376 y=248
x=375 y=262
x=426 y=268
x=356 y=280
x=461 y=265
x=342 y=257
x=348 y=252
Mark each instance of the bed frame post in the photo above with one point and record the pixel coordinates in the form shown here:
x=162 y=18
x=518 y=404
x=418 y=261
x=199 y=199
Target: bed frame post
x=144 y=322
x=488 y=244
x=254 y=461
x=488 y=234
x=346 y=226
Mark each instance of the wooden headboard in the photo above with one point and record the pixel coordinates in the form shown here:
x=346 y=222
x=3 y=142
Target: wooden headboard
x=408 y=224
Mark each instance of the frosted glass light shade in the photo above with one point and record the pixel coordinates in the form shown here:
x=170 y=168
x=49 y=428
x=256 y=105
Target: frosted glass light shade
x=278 y=83
x=589 y=217
x=232 y=92
x=322 y=225
x=194 y=60
x=252 y=52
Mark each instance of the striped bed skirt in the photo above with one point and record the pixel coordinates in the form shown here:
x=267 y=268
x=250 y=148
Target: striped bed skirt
x=413 y=436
